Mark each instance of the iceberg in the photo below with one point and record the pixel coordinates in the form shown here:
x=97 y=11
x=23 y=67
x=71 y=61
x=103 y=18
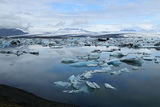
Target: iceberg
x=119 y=71
x=148 y=58
x=117 y=54
x=63 y=84
x=106 y=68
x=132 y=61
x=76 y=81
x=134 y=68
x=93 y=56
x=114 y=62
x=79 y=64
x=92 y=85
x=116 y=72
x=87 y=75
x=109 y=86
x=85 y=64
x=5 y=44
x=124 y=70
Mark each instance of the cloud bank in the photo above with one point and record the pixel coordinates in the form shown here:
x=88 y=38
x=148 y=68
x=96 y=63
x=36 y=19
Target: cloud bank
x=37 y=16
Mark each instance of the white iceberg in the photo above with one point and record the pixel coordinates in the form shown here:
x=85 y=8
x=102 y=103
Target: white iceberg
x=109 y=86
x=63 y=84
x=92 y=85
x=148 y=58
x=86 y=75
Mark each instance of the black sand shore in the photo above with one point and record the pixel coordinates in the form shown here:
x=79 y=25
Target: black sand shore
x=13 y=97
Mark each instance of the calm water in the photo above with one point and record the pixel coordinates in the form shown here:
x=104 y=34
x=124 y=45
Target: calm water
x=37 y=74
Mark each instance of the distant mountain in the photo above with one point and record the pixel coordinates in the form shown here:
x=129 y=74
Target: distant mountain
x=11 y=32
x=128 y=30
x=73 y=31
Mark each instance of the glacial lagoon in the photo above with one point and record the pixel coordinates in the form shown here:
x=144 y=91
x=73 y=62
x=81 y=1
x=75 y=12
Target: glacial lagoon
x=131 y=70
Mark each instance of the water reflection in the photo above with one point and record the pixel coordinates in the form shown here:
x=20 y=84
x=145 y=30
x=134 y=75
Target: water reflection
x=36 y=74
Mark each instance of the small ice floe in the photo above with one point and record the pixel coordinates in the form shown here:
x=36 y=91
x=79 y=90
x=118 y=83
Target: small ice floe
x=56 y=47
x=112 y=49
x=132 y=61
x=104 y=65
x=157 y=61
x=86 y=75
x=99 y=71
x=85 y=64
x=148 y=58
x=5 y=44
x=115 y=72
x=75 y=81
x=69 y=61
x=134 y=68
x=72 y=91
x=82 y=57
x=124 y=70
x=92 y=85
x=106 y=69
x=119 y=71
x=63 y=84
x=93 y=56
x=79 y=64
x=114 y=62
x=118 y=54
x=108 y=86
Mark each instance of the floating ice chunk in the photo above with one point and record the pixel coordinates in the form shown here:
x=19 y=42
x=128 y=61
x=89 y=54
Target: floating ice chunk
x=76 y=81
x=132 y=61
x=114 y=62
x=69 y=61
x=79 y=64
x=106 y=68
x=157 y=61
x=92 y=63
x=85 y=64
x=134 y=68
x=87 y=75
x=71 y=91
x=120 y=71
x=117 y=54
x=82 y=57
x=148 y=58
x=99 y=71
x=104 y=65
x=124 y=70
x=116 y=72
x=109 y=86
x=93 y=56
x=112 y=49
x=96 y=85
x=63 y=84
x=92 y=85
x=56 y=47
x=5 y=44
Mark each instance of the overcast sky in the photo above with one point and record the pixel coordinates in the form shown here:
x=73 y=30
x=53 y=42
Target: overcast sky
x=94 y=15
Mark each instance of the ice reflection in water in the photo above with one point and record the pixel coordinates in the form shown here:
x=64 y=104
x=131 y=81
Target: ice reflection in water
x=37 y=74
